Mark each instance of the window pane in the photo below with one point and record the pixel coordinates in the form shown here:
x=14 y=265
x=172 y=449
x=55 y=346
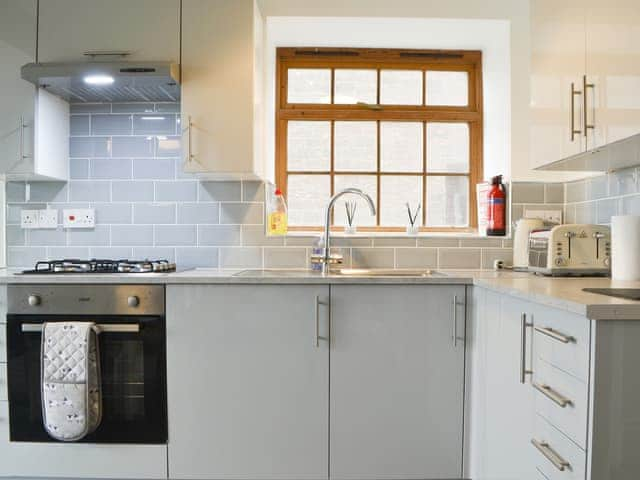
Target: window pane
x=307 y=196
x=447 y=201
x=447 y=88
x=401 y=146
x=395 y=192
x=401 y=87
x=355 y=145
x=366 y=183
x=448 y=147
x=309 y=85
x=309 y=146
x=353 y=86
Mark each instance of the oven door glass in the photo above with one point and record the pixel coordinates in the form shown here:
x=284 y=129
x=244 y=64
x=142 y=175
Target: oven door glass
x=133 y=371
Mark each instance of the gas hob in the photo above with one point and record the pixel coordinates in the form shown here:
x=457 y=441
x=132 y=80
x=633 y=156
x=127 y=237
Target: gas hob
x=77 y=266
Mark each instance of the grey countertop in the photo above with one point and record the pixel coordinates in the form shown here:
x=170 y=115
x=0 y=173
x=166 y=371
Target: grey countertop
x=562 y=293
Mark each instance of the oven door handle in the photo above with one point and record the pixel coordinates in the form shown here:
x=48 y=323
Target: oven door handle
x=101 y=328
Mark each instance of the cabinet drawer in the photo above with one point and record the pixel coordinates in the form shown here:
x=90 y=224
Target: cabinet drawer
x=556 y=457
x=554 y=388
x=562 y=339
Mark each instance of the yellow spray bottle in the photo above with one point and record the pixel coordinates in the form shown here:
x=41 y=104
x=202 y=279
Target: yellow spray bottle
x=277 y=217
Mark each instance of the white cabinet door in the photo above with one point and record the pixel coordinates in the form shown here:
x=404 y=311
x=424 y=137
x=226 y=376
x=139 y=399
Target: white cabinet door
x=17 y=96
x=557 y=68
x=218 y=86
x=147 y=29
x=247 y=384
x=397 y=381
x=613 y=69
x=502 y=408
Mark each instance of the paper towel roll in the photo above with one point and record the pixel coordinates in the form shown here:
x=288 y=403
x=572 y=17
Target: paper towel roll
x=625 y=247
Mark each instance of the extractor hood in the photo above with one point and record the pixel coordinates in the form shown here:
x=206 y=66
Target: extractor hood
x=107 y=81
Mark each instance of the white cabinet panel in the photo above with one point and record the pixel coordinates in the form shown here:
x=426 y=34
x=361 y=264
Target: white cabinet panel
x=613 y=68
x=218 y=74
x=247 y=385
x=557 y=64
x=396 y=382
x=147 y=29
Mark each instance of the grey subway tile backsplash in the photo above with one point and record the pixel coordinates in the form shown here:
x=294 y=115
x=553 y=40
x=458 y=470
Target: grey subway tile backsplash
x=623 y=182
x=178 y=191
x=100 y=236
x=606 y=209
x=252 y=191
x=197 y=213
x=416 y=258
x=219 y=192
x=240 y=257
x=528 y=192
x=219 y=235
x=191 y=257
x=576 y=191
x=154 y=124
x=131 y=235
x=79 y=125
x=285 y=257
x=241 y=213
x=87 y=147
x=175 y=235
x=597 y=187
x=168 y=107
x=165 y=253
x=15 y=235
x=146 y=213
x=112 y=213
x=254 y=235
x=129 y=191
x=90 y=108
x=631 y=205
x=110 y=168
x=78 y=168
x=25 y=257
x=490 y=255
x=132 y=147
x=47 y=237
x=153 y=168
x=113 y=252
x=86 y=191
x=48 y=192
x=111 y=125
x=373 y=257
x=71 y=252
x=168 y=146
x=135 y=107
x=459 y=258
x=554 y=193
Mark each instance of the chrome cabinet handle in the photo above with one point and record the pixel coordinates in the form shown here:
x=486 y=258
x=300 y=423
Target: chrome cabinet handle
x=455 y=321
x=523 y=347
x=189 y=141
x=551 y=455
x=550 y=332
x=317 y=336
x=592 y=86
x=574 y=92
x=552 y=395
x=21 y=128
x=102 y=327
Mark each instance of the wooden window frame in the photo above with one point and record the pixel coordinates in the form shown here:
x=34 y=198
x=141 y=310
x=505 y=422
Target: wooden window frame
x=383 y=59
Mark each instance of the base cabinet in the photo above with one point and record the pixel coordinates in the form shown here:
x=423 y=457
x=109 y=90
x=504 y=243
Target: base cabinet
x=397 y=380
x=315 y=382
x=247 y=383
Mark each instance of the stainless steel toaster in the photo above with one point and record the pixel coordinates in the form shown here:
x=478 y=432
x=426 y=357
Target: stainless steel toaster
x=572 y=249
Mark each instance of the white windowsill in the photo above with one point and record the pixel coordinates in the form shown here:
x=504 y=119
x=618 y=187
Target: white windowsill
x=394 y=235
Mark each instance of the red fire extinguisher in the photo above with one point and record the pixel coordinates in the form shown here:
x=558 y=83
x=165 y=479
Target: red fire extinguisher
x=496 y=205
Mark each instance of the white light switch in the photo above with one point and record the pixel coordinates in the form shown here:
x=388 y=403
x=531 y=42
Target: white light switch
x=29 y=219
x=79 y=218
x=48 y=218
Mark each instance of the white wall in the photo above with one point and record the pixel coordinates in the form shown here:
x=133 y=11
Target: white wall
x=490 y=36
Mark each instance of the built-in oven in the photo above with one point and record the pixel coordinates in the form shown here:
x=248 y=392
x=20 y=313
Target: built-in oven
x=132 y=347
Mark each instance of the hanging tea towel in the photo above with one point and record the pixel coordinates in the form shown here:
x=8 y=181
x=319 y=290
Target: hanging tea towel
x=71 y=395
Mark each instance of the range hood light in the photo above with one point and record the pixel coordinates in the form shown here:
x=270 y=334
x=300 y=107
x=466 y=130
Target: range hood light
x=98 y=80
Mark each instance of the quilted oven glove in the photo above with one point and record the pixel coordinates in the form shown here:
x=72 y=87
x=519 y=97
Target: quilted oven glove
x=71 y=393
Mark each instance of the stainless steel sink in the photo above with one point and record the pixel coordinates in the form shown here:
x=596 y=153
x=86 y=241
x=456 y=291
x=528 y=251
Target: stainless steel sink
x=343 y=272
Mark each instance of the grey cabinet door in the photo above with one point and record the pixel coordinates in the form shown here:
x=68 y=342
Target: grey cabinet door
x=396 y=408
x=247 y=385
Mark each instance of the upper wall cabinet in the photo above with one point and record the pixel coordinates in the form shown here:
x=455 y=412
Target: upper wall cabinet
x=612 y=70
x=34 y=125
x=148 y=30
x=220 y=80
x=585 y=77
x=557 y=68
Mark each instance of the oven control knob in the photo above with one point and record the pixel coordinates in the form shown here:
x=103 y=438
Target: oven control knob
x=34 y=300
x=133 y=301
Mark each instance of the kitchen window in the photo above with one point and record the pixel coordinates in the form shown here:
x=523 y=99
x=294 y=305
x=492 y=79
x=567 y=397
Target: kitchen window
x=405 y=126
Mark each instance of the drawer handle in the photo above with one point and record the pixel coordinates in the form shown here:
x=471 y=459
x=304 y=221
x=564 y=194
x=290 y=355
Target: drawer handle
x=551 y=394
x=550 y=332
x=550 y=454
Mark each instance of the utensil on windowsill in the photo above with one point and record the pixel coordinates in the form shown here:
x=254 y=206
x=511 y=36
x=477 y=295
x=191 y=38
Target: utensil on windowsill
x=413 y=228
x=350 y=208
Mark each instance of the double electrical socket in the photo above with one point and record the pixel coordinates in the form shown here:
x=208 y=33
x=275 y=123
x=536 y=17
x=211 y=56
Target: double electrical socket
x=39 y=218
x=72 y=218
x=550 y=216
